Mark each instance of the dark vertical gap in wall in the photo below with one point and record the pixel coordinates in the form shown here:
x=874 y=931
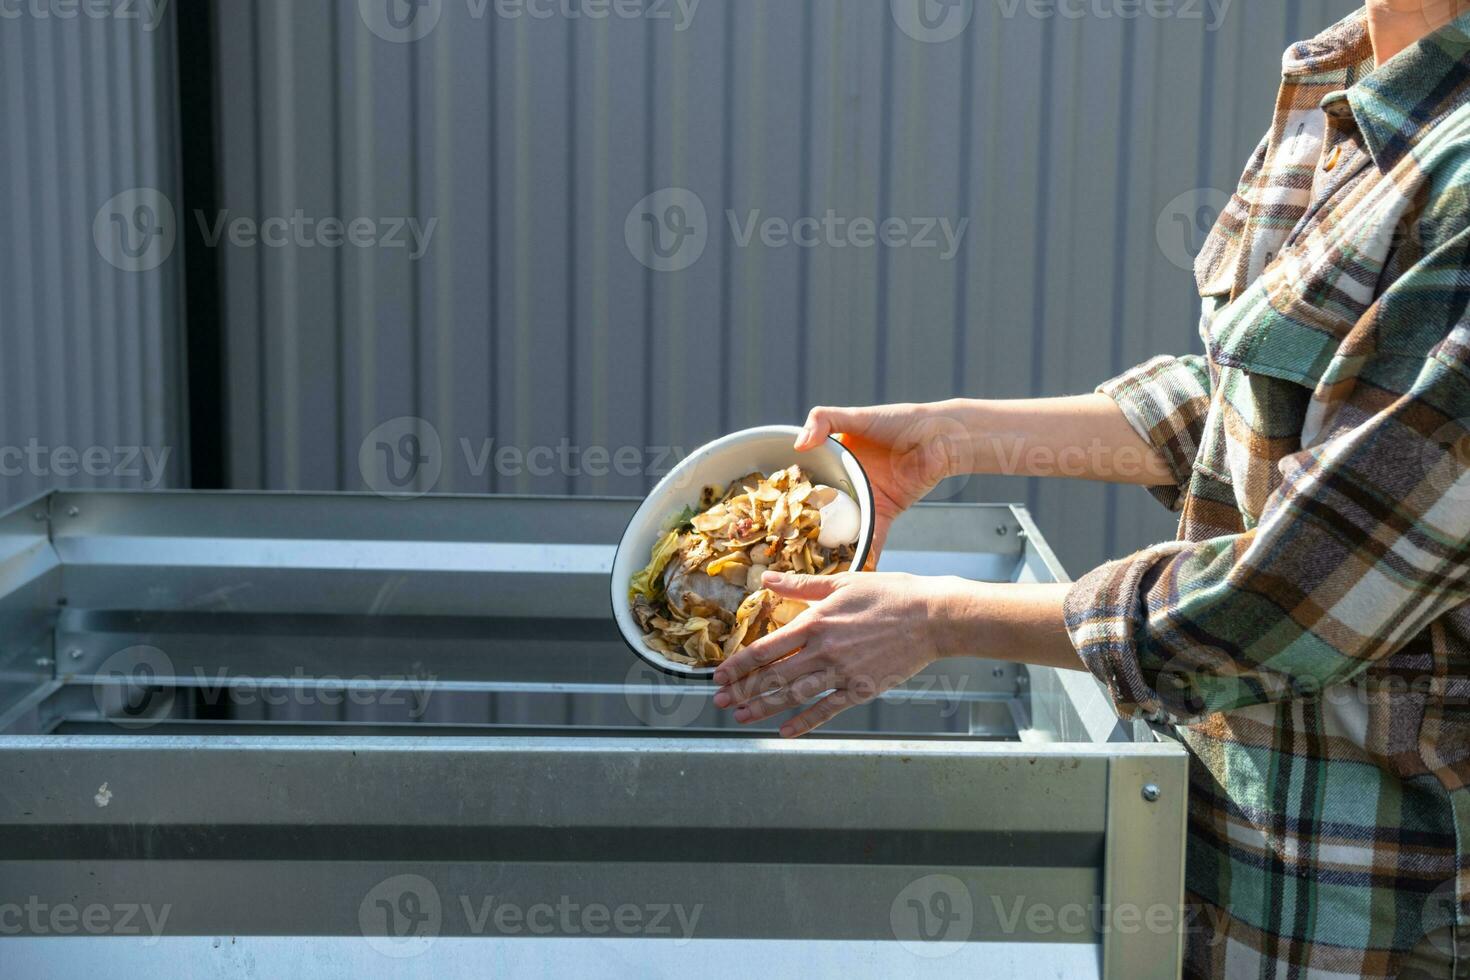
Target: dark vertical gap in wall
x=804 y=265
x=199 y=190
x=727 y=177
x=571 y=248
x=1121 y=231
x=885 y=155
x=1043 y=220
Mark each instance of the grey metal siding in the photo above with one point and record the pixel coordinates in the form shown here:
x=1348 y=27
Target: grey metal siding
x=90 y=372
x=529 y=321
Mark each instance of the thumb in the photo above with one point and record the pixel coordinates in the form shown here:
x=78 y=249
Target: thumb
x=822 y=422
x=806 y=587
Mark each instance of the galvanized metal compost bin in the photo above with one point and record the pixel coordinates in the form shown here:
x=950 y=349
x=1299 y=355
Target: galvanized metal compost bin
x=339 y=735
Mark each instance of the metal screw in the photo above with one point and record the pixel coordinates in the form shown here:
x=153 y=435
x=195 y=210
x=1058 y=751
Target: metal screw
x=76 y=653
x=1001 y=530
x=72 y=512
x=43 y=661
x=997 y=672
x=1151 y=792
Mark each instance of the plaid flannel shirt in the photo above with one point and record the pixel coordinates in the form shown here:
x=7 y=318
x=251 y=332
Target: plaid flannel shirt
x=1309 y=631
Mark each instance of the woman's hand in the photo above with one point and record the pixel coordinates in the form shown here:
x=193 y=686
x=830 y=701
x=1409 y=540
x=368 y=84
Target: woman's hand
x=862 y=634
x=906 y=450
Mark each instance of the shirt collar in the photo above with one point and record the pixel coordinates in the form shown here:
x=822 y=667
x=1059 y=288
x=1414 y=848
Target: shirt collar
x=1400 y=102
x=1395 y=104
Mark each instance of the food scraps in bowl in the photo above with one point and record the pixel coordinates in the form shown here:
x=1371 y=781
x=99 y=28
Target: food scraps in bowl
x=700 y=598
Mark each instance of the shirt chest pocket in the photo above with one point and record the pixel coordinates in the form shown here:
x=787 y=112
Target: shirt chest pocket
x=1269 y=350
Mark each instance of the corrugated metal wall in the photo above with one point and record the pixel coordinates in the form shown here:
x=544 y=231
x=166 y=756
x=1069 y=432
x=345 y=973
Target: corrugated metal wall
x=91 y=388
x=529 y=320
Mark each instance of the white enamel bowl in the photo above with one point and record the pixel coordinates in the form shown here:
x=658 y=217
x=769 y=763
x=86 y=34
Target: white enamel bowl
x=765 y=449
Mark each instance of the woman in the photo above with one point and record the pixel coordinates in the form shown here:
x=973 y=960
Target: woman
x=1309 y=632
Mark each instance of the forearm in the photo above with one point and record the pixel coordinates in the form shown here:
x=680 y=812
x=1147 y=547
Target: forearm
x=1003 y=621
x=1082 y=436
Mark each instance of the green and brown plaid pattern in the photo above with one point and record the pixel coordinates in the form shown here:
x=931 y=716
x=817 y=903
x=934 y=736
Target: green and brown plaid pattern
x=1309 y=632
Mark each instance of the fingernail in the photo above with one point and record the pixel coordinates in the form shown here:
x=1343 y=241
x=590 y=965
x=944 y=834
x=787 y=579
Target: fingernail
x=742 y=713
x=722 y=700
x=721 y=678
x=787 y=731
x=773 y=578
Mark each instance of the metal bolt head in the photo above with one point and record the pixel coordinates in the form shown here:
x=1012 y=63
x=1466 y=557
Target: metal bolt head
x=75 y=653
x=1001 y=530
x=72 y=512
x=1151 y=792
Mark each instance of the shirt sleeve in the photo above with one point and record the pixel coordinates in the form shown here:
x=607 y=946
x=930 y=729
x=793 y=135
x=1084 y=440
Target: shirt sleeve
x=1166 y=400
x=1362 y=545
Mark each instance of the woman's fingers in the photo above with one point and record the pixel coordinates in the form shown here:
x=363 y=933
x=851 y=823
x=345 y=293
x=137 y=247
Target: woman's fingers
x=789 y=638
x=822 y=422
x=767 y=650
x=820 y=713
x=767 y=681
x=786 y=695
x=808 y=588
